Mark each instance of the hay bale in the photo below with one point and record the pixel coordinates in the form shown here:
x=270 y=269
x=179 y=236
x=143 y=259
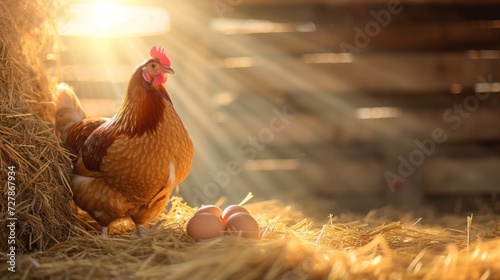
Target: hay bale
x=27 y=142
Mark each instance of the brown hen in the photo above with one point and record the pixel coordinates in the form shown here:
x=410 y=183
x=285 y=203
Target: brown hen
x=128 y=165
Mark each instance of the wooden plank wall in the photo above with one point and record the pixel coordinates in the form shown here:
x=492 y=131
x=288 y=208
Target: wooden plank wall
x=426 y=59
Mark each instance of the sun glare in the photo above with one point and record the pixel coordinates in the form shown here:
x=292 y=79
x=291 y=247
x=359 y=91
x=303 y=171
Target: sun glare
x=113 y=19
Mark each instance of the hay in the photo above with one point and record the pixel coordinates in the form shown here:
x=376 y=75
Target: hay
x=27 y=141
x=345 y=247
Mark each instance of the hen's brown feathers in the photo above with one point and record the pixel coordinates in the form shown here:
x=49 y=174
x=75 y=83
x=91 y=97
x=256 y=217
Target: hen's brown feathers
x=103 y=203
x=80 y=131
x=68 y=111
x=129 y=164
x=143 y=107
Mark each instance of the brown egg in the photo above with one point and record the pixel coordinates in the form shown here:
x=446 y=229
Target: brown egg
x=245 y=223
x=212 y=209
x=204 y=226
x=230 y=210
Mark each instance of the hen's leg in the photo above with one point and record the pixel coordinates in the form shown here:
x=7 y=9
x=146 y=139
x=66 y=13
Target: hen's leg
x=104 y=231
x=140 y=229
x=148 y=211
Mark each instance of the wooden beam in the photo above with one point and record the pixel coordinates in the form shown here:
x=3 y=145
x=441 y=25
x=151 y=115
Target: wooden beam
x=431 y=37
x=456 y=125
x=340 y=126
x=379 y=75
x=360 y=2
x=461 y=176
x=360 y=13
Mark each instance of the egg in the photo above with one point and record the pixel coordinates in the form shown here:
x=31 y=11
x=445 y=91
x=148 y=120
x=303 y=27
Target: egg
x=204 y=226
x=230 y=210
x=245 y=223
x=212 y=209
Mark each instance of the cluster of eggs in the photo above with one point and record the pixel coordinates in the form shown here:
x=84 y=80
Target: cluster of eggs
x=210 y=221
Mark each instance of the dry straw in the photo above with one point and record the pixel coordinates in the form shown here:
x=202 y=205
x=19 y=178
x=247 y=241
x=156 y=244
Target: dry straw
x=348 y=246
x=52 y=244
x=27 y=140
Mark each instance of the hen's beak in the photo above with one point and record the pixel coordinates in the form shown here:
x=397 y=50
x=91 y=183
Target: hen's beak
x=168 y=70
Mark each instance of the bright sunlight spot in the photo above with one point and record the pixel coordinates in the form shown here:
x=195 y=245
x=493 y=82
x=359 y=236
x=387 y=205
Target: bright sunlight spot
x=253 y=26
x=113 y=19
x=377 y=113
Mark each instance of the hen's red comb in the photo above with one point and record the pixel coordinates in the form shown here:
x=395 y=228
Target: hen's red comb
x=159 y=53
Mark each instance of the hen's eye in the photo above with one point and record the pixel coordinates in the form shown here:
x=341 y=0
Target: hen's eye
x=153 y=66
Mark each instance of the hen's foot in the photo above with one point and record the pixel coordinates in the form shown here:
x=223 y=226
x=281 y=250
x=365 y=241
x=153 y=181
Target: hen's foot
x=104 y=231
x=142 y=231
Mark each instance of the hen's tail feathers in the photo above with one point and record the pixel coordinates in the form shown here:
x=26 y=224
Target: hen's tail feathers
x=68 y=110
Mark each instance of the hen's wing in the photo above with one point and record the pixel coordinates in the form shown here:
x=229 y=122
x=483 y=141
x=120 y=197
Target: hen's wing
x=76 y=141
x=80 y=132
